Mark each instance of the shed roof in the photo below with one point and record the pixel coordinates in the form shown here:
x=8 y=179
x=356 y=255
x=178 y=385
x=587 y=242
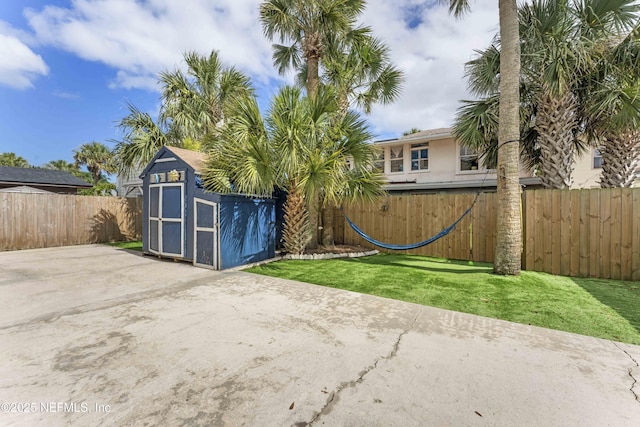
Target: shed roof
x=195 y=159
x=52 y=177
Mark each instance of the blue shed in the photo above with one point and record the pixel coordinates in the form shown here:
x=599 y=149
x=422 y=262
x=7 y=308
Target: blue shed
x=183 y=221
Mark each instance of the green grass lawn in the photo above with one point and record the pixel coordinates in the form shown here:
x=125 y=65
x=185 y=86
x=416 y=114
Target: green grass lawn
x=135 y=245
x=600 y=308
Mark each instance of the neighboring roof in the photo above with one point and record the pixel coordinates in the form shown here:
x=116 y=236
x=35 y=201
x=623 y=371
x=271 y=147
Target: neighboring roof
x=195 y=159
x=412 y=186
x=429 y=134
x=45 y=177
x=24 y=189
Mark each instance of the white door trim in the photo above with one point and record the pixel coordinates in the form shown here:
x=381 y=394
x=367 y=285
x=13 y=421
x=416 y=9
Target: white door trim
x=160 y=218
x=214 y=230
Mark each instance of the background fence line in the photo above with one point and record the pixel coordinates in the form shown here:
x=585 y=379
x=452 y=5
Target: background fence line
x=29 y=221
x=580 y=233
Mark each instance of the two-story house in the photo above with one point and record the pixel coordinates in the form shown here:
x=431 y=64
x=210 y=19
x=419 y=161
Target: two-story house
x=433 y=161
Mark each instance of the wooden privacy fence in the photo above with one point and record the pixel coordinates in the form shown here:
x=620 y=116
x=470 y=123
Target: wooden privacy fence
x=30 y=221
x=581 y=233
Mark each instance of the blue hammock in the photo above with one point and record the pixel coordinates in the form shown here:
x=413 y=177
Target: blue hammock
x=417 y=245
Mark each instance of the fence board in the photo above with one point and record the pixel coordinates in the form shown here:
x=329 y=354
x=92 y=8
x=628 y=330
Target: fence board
x=594 y=235
x=565 y=232
x=574 y=236
x=491 y=220
x=584 y=240
x=480 y=230
x=605 y=233
x=635 y=232
x=540 y=237
x=555 y=226
x=626 y=237
x=44 y=220
x=615 y=233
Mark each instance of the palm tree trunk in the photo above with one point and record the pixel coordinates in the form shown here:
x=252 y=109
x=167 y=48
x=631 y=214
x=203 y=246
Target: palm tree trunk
x=95 y=172
x=312 y=207
x=296 y=222
x=327 y=226
x=555 y=123
x=509 y=234
x=312 y=75
x=620 y=159
x=343 y=106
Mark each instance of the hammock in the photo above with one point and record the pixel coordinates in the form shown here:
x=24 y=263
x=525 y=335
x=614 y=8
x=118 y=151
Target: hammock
x=416 y=245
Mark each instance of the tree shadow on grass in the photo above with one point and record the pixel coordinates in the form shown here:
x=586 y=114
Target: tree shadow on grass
x=623 y=297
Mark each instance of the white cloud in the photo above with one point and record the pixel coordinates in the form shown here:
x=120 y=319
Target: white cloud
x=140 y=38
x=432 y=55
x=19 y=65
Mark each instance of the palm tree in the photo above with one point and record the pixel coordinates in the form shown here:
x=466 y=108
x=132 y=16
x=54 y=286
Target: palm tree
x=612 y=107
x=509 y=235
x=612 y=126
x=73 y=169
x=193 y=108
x=194 y=103
x=358 y=67
x=476 y=127
x=102 y=188
x=308 y=25
x=97 y=158
x=300 y=147
x=61 y=165
x=574 y=82
x=11 y=159
x=142 y=139
x=620 y=153
x=327 y=49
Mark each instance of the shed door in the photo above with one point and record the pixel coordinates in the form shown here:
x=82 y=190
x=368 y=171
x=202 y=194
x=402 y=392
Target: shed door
x=166 y=219
x=205 y=251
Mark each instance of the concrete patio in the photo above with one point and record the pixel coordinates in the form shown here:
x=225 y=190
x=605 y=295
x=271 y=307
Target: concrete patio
x=94 y=335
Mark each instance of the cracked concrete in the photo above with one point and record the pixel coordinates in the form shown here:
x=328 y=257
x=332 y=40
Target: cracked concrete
x=334 y=395
x=163 y=343
x=631 y=374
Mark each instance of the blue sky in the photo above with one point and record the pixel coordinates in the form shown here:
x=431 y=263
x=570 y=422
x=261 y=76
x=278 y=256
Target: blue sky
x=70 y=66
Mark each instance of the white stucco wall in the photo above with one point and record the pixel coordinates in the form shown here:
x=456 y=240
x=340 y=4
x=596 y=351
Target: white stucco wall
x=444 y=165
x=585 y=175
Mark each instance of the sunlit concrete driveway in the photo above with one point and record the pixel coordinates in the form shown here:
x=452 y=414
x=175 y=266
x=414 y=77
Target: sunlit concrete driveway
x=93 y=335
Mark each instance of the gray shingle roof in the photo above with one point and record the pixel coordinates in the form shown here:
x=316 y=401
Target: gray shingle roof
x=195 y=159
x=40 y=176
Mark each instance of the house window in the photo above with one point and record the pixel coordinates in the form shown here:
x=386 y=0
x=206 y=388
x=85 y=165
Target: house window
x=397 y=159
x=468 y=159
x=378 y=162
x=597 y=159
x=420 y=156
